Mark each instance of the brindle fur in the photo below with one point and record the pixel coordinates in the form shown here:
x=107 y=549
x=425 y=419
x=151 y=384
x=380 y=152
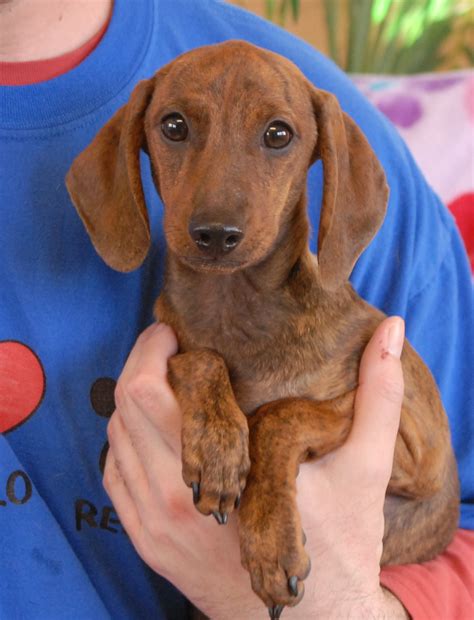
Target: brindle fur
x=270 y=338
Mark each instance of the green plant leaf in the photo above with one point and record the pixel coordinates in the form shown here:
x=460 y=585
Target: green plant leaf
x=380 y=9
x=425 y=54
x=282 y=11
x=469 y=52
x=295 y=9
x=359 y=28
x=331 y=12
x=383 y=14
x=387 y=36
x=270 y=9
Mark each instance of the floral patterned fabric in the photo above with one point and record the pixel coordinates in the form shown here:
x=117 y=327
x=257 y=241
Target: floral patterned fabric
x=434 y=113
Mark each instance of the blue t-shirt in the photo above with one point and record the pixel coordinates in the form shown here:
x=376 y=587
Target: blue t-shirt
x=67 y=321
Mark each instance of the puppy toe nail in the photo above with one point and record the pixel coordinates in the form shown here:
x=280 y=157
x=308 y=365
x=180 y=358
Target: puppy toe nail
x=293 y=585
x=237 y=501
x=221 y=518
x=195 y=488
x=275 y=611
x=304 y=538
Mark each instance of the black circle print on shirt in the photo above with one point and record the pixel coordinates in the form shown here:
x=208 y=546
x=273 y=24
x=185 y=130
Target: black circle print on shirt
x=103 y=403
x=102 y=396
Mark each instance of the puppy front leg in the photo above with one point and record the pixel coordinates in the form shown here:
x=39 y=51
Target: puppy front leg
x=215 y=432
x=284 y=434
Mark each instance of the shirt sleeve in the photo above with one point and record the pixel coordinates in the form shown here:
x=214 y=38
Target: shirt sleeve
x=442 y=589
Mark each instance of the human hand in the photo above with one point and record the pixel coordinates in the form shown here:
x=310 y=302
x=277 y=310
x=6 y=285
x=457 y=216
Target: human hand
x=143 y=479
x=340 y=497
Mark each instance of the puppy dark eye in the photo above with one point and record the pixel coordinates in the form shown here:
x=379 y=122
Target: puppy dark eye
x=174 y=127
x=277 y=135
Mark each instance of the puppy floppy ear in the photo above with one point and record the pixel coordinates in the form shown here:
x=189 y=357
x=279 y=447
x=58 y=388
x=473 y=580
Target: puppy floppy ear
x=105 y=185
x=355 y=190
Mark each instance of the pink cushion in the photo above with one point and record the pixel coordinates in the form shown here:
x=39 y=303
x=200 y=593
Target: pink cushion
x=434 y=113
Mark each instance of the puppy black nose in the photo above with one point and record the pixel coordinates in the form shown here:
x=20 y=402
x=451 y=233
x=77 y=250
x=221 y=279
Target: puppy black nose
x=216 y=239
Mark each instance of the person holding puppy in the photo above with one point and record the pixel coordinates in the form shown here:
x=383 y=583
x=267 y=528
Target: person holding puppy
x=68 y=324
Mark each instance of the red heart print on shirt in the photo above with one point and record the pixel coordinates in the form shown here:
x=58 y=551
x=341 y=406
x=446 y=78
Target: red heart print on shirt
x=22 y=384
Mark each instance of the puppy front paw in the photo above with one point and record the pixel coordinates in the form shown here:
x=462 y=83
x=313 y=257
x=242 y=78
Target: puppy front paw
x=215 y=435
x=216 y=461
x=272 y=547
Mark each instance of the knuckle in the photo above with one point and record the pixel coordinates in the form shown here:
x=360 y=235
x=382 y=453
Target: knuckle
x=390 y=389
x=155 y=529
x=110 y=478
x=119 y=393
x=107 y=482
x=137 y=440
x=111 y=430
x=118 y=469
x=143 y=390
x=177 y=504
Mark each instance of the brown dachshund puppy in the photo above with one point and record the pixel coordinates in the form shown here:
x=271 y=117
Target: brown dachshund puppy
x=270 y=335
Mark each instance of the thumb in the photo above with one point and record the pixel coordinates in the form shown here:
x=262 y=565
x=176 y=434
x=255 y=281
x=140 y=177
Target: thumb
x=379 y=398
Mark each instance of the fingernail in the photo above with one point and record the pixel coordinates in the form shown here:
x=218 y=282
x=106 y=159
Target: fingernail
x=394 y=336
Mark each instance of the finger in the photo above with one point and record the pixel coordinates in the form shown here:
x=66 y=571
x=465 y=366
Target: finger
x=138 y=500
x=120 y=497
x=143 y=394
x=379 y=398
x=137 y=347
x=148 y=484
x=157 y=336
x=127 y=462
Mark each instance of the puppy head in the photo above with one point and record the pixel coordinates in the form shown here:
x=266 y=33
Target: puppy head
x=231 y=130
